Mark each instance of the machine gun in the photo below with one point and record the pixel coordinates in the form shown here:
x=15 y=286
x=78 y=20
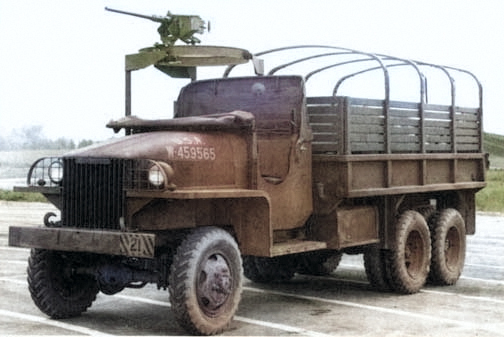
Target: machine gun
x=173 y=27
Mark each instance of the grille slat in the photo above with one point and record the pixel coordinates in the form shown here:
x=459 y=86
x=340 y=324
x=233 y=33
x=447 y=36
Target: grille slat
x=93 y=193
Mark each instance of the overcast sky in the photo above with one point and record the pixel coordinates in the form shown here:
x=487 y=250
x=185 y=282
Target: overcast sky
x=62 y=62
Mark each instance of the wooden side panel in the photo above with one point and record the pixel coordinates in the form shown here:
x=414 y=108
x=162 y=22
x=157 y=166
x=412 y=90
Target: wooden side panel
x=339 y=177
x=406 y=173
x=469 y=170
x=368 y=174
x=439 y=171
x=363 y=126
x=326 y=121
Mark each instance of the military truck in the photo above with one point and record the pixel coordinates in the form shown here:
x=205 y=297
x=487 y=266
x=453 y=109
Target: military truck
x=254 y=177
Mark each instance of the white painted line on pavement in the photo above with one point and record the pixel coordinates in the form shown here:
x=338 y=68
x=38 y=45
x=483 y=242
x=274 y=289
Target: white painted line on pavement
x=469 y=325
x=278 y=326
x=475 y=298
x=143 y=300
x=12 y=280
x=13 y=248
x=483 y=266
x=23 y=263
x=482 y=280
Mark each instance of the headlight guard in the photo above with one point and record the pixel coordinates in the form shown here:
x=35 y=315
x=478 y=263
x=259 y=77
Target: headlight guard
x=46 y=172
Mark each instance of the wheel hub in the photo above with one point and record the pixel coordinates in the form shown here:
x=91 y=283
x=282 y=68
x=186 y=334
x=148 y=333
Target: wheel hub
x=215 y=284
x=413 y=254
x=452 y=250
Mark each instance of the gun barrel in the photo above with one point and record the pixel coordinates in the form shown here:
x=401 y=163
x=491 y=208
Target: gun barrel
x=152 y=18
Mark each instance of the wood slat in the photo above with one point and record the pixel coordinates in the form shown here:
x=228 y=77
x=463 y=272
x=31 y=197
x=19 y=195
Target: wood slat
x=322 y=109
x=366 y=129
x=368 y=148
x=366 y=111
x=399 y=129
x=468 y=148
x=437 y=139
x=325 y=137
x=405 y=147
x=322 y=128
x=467 y=132
x=366 y=120
x=467 y=140
x=323 y=119
x=366 y=138
x=320 y=147
x=399 y=122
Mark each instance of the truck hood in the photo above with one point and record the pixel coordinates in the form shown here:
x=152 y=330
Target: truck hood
x=204 y=158
x=154 y=139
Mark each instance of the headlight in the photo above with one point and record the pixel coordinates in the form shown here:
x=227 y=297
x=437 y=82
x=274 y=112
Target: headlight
x=156 y=176
x=55 y=171
x=160 y=174
x=146 y=174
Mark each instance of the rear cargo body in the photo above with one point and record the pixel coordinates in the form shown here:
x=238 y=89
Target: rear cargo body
x=362 y=152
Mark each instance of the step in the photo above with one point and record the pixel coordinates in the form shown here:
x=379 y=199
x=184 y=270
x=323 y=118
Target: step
x=296 y=246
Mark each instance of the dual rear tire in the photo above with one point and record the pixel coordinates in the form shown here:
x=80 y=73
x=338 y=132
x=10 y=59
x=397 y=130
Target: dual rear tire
x=420 y=252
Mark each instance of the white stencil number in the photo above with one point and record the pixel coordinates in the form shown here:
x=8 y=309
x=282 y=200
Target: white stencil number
x=191 y=152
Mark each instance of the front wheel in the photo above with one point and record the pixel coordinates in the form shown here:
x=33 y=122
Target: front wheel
x=206 y=281
x=448 y=236
x=54 y=287
x=408 y=260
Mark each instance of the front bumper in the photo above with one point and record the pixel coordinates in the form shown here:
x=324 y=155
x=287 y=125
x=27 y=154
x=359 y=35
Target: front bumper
x=79 y=240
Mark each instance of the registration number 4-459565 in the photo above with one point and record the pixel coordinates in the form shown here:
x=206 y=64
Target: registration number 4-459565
x=191 y=152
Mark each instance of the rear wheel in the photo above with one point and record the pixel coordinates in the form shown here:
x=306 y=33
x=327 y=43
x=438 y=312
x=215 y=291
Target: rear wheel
x=269 y=269
x=376 y=271
x=408 y=261
x=319 y=263
x=54 y=287
x=448 y=236
x=206 y=281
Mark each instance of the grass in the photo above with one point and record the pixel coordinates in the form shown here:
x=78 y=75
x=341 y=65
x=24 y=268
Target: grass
x=21 y=196
x=491 y=198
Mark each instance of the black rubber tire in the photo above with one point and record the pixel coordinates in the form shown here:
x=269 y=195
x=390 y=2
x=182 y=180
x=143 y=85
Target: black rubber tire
x=448 y=235
x=319 y=263
x=376 y=270
x=250 y=268
x=408 y=260
x=54 y=290
x=205 y=281
x=269 y=269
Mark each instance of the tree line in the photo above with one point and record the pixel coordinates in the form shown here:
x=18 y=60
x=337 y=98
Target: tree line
x=33 y=138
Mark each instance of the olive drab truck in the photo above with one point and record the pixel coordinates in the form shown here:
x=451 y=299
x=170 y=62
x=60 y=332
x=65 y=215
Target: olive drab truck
x=256 y=176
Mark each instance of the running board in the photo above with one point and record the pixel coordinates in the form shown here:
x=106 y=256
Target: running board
x=296 y=246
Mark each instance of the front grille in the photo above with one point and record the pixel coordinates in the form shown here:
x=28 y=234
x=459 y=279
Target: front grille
x=93 y=194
